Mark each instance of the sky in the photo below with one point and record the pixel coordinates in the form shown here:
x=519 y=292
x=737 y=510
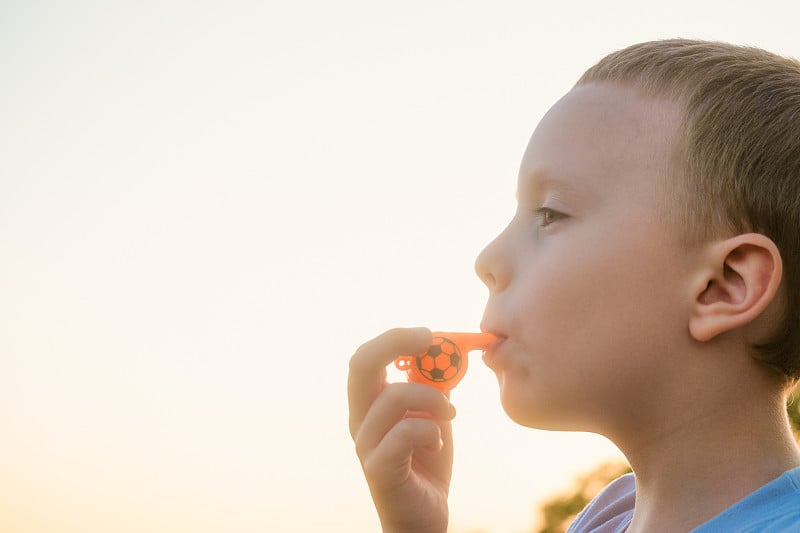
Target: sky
x=206 y=207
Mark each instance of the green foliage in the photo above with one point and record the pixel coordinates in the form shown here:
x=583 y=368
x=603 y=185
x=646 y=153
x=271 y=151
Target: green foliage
x=793 y=408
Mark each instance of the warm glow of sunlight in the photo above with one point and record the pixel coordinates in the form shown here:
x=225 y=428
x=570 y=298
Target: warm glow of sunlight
x=206 y=208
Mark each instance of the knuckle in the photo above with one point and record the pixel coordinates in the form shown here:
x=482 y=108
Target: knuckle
x=360 y=360
x=406 y=430
x=414 y=396
x=361 y=450
x=362 y=355
x=394 y=391
x=411 y=430
x=357 y=360
x=372 y=468
x=354 y=427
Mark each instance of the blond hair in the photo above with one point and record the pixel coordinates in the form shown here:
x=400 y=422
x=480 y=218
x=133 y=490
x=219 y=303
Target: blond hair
x=737 y=153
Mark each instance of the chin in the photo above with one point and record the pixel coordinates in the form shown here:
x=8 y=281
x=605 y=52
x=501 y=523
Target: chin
x=537 y=412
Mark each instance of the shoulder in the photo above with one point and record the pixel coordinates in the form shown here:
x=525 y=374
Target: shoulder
x=610 y=511
x=774 y=508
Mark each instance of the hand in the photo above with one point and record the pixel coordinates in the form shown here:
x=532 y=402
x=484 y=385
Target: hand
x=403 y=436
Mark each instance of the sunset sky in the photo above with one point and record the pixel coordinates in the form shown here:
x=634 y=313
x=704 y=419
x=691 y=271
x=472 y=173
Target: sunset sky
x=206 y=207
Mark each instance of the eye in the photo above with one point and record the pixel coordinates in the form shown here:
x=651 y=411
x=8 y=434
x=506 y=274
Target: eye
x=547 y=216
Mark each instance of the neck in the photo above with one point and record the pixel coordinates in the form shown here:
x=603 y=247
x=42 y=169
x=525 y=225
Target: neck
x=690 y=468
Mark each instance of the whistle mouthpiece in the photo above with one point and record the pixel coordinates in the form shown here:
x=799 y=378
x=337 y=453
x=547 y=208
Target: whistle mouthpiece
x=444 y=363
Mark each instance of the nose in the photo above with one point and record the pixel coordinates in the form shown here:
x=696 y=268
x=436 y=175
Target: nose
x=482 y=268
x=489 y=265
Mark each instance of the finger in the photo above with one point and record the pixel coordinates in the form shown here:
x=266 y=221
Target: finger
x=393 y=404
x=390 y=460
x=438 y=461
x=367 y=375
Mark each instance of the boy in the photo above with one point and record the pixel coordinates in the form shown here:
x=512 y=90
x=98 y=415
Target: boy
x=647 y=289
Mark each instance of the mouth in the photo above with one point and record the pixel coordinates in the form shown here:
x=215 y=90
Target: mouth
x=490 y=354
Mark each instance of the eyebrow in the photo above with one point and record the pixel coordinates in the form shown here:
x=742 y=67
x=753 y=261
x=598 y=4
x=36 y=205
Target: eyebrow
x=533 y=182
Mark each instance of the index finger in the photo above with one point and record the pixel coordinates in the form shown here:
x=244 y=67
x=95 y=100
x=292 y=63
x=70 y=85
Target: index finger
x=367 y=375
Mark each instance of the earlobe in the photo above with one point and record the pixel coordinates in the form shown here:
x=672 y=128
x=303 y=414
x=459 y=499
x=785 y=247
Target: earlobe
x=740 y=278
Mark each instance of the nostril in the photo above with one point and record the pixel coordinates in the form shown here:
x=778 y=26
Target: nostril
x=484 y=274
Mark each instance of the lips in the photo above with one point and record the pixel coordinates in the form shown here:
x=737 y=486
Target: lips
x=490 y=355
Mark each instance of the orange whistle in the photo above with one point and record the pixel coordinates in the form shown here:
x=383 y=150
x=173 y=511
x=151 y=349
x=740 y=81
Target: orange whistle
x=445 y=362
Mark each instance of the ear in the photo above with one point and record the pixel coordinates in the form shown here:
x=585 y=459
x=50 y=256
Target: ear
x=739 y=279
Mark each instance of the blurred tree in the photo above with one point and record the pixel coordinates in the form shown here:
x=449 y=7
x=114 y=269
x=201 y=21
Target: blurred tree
x=793 y=409
x=558 y=512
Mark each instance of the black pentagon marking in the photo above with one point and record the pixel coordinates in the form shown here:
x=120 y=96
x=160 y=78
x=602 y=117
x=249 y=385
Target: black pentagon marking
x=437 y=374
x=434 y=350
x=445 y=342
x=455 y=360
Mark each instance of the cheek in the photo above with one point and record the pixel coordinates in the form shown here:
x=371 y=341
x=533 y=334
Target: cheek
x=583 y=325
x=562 y=301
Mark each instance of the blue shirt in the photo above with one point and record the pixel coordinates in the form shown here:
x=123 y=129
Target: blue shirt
x=774 y=508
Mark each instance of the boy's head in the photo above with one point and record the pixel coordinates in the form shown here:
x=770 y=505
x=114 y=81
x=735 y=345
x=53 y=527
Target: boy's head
x=737 y=152
x=654 y=193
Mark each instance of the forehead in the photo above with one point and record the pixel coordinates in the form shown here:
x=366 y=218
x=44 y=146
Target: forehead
x=603 y=135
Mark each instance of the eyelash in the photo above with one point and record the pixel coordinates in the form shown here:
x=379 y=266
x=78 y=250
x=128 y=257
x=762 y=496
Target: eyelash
x=547 y=216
